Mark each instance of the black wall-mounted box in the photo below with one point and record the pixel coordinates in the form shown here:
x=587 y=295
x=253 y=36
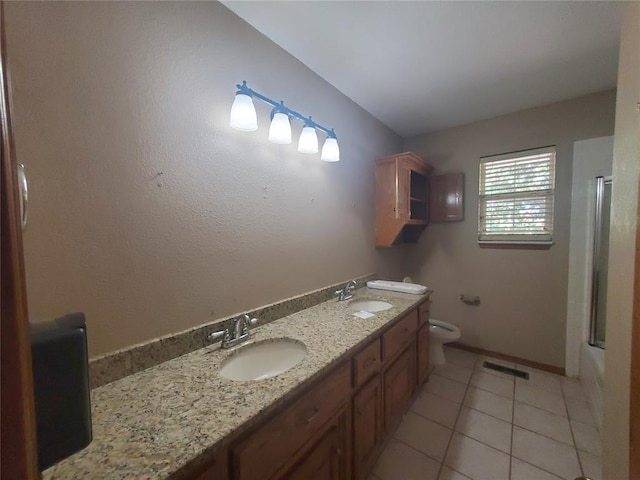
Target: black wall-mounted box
x=61 y=387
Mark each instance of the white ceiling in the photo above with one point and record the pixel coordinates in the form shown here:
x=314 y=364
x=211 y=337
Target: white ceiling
x=425 y=66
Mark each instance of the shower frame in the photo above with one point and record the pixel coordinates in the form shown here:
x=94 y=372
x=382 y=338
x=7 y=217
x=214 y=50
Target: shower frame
x=595 y=264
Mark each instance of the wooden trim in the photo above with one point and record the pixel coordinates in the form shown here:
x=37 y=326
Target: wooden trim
x=18 y=436
x=634 y=411
x=509 y=358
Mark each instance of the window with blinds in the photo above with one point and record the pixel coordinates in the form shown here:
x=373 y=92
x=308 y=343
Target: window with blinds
x=516 y=197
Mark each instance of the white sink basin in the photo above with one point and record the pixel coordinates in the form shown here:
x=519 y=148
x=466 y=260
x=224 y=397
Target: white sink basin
x=264 y=359
x=370 y=306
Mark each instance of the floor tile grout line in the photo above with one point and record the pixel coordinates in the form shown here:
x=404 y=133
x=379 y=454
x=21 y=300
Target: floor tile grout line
x=446 y=451
x=543 y=409
x=573 y=437
x=453 y=430
x=431 y=419
x=452 y=379
x=537 y=466
x=444 y=398
x=485 y=390
x=462 y=405
x=480 y=441
x=459 y=473
x=485 y=413
x=545 y=436
x=599 y=457
x=416 y=450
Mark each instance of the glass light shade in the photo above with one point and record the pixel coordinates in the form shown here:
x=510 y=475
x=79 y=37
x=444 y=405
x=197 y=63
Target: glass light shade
x=243 y=114
x=308 y=142
x=330 y=150
x=280 y=129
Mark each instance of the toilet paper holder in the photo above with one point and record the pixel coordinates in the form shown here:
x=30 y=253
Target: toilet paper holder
x=469 y=300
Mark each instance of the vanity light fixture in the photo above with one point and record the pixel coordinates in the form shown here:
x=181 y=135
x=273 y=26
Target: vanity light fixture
x=243 y=117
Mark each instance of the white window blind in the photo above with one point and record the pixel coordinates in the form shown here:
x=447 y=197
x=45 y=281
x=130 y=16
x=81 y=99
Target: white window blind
x=516 y=197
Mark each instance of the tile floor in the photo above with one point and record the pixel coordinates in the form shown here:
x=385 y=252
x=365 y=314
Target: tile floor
x=469 y=422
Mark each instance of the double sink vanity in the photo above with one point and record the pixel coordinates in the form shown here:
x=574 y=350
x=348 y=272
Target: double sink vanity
x=313 y=395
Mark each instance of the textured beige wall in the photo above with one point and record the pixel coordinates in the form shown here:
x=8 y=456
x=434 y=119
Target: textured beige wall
x=147 y=211
x=622 y=242
x=523 y=292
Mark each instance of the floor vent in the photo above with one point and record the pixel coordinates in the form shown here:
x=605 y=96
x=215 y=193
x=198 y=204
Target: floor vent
x=503 y=369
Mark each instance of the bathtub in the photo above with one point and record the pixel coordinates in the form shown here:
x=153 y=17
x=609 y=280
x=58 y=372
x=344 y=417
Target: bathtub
x=592 y=378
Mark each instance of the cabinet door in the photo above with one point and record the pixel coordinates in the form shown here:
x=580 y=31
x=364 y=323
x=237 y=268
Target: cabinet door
x=367 y=427
x=399 y=380
x=327 y=458
x=423 y=354
x=217 y=469
x=446 y=197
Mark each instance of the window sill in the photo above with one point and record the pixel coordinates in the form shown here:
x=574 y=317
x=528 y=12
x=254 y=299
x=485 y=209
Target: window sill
x=521 y=245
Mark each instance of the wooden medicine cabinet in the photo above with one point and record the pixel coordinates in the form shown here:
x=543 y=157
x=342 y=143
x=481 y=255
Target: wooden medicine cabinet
x=408 y=197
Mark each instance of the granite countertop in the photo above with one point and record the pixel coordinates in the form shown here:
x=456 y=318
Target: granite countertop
x=151 y=424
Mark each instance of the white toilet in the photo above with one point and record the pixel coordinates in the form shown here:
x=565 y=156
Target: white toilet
x=439 y=334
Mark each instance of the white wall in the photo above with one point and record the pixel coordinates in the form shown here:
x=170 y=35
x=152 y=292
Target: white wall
x=591 y=158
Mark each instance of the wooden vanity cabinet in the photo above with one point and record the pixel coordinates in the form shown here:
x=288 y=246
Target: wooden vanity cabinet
x=335 y=428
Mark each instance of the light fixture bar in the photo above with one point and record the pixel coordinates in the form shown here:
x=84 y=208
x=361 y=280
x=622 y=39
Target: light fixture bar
x=279 y=107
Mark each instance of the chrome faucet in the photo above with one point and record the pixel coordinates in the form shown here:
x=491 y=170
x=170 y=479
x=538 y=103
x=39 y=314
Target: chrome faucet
x=345 y=292
x=235 y=332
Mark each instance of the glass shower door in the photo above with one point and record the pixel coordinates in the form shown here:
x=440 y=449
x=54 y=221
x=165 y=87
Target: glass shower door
x=600 y=265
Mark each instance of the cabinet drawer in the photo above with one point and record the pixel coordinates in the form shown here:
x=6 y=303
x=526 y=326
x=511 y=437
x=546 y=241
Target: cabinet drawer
x=423 y=313
x=366 y=363
x=269 y=447
x=399 y=335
